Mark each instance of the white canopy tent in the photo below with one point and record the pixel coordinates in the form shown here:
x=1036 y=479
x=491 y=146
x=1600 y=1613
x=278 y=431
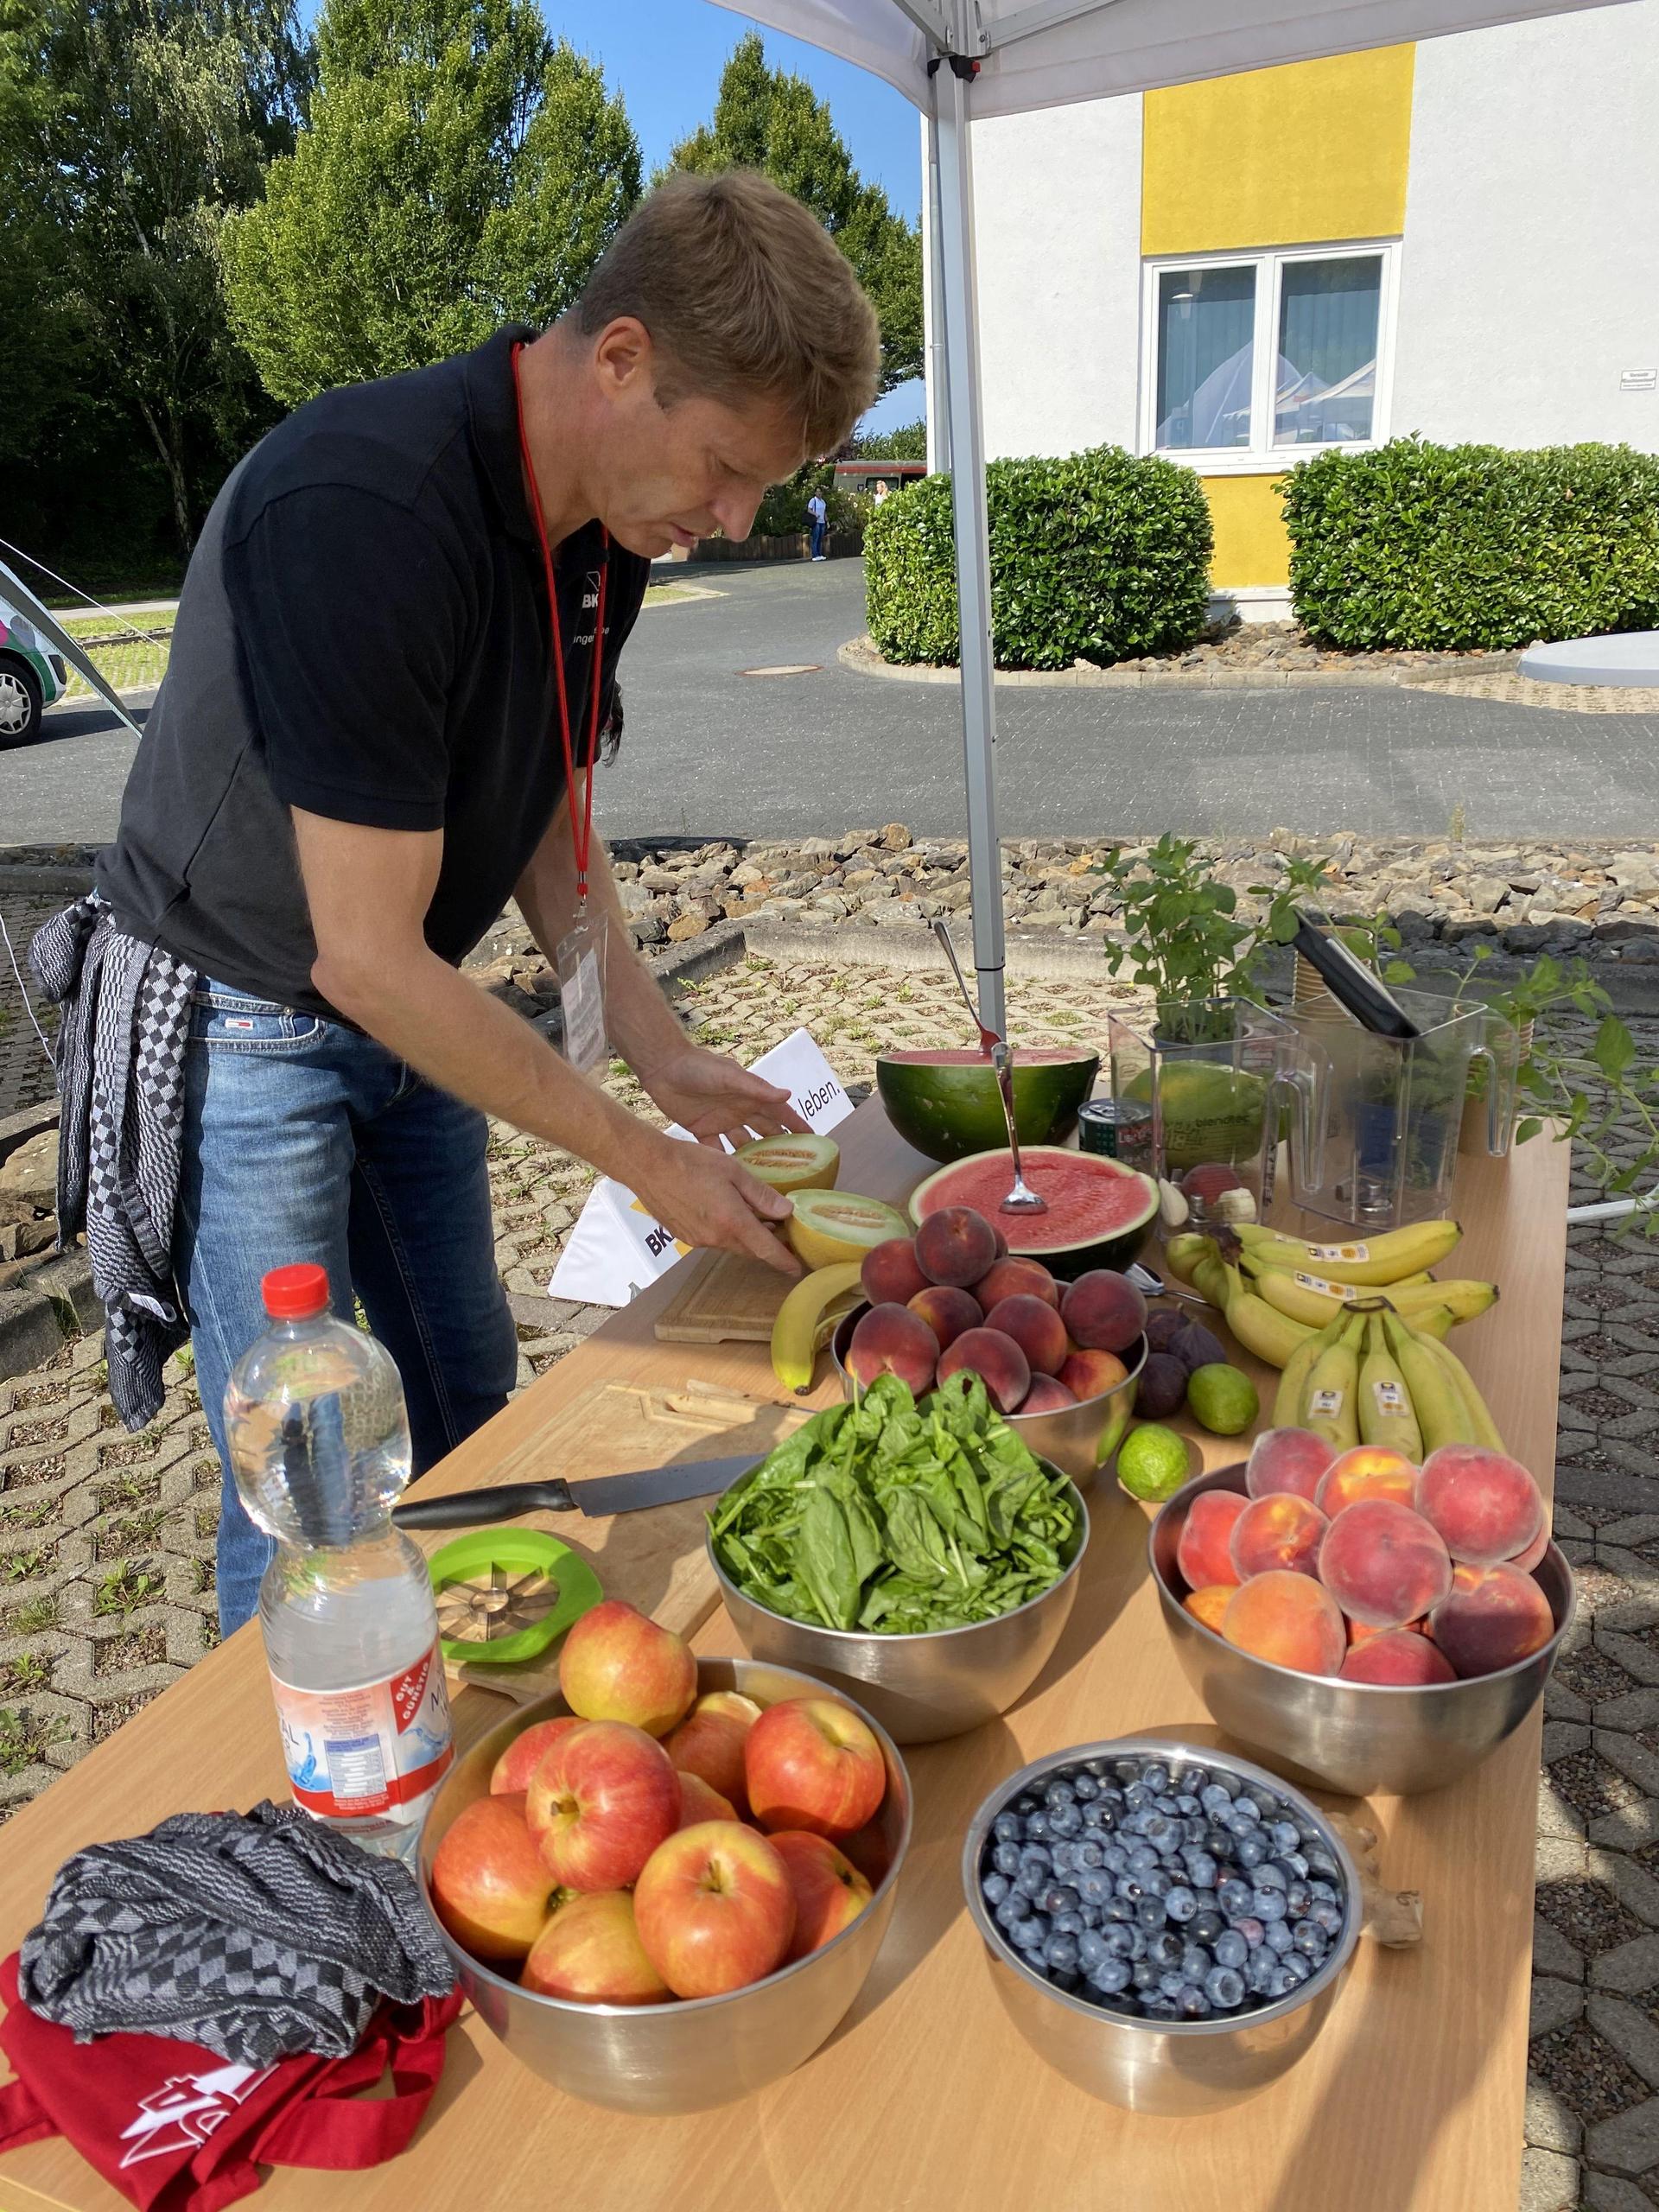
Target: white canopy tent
x=959 y=60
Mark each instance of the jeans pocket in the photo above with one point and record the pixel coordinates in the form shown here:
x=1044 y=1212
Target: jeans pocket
x=228 y=1020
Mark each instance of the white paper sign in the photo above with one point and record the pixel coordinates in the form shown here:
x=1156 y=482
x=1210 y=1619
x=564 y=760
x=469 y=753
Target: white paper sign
x=617 y=1248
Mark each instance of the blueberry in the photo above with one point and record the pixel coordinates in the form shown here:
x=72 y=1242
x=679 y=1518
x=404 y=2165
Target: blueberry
x=1230 y=1948
x=1009 y=1914
x=1259 y=1971
x=1192 y=2003
x=1144 y=1974
x=1127 y=1770
x=1267 y=1904
x=1233 y=1897
x=1202 y=1869
x=1006 y=1858
x=1158 y=1882
x=1251 y=1850
x=1206 y=1925
x=1120 y=1941
x=1244 y=1813
x=1180 y=1904
x=1032 y=1933
x=1157 y=1827
x=1094 y=1885
x=1130 y=1888
x=1117 y=1908
x=1156 y=1775
x=1089 y=1853
x=1137 y=1796
x=1186 y=1804
x=1149 y=1913
x=1038 y=1829
x=1310 y=1939
x=1297 y=1966
x=1271 y=1878
x=1322 y=1865
x=1327 y=1917
x=1321 y=1892
x=1060 y=1953
x=1298 y=1898
x=1164 y=1948
x=1068 y=1923
x=1253 y=1931
x=1115 y=1859
x=1085 y=1786
x=1036 y=1854
x=1224 y=1987
x=1286 y=1835
x=1092 y=1948
x=994 y=1888
x=1065 y=1820
x=1215 y=1797
x=1171 y=1984
x=1025 y=1803
x=1279 y=1937
x=1007 y=1828
x=1219 y=1840
x=1293 y=1863
x=1282 y=1984
x=1097 y=1817
x=1196 y=1961
x=1160 y=2008
x=1058 y=1792
x=1111 y=1977
x=1195 y=1830
x=1032 y=1881
x=1142 y=1859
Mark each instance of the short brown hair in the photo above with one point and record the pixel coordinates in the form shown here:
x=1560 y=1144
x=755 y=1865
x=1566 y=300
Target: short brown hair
x=746 y=294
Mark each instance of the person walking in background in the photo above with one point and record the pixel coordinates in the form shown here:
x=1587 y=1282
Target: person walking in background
x=817 y=515
x=882 y=490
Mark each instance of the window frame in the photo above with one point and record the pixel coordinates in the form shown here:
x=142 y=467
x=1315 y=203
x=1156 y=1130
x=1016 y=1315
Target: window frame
x=1261 y=456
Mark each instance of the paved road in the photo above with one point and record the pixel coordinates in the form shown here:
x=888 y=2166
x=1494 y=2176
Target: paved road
x=712 y=751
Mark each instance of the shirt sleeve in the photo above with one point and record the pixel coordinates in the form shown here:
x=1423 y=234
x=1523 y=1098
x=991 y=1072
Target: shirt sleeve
x=351 y=619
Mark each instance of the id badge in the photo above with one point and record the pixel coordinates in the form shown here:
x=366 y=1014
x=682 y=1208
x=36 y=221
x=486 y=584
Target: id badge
x=581 y=993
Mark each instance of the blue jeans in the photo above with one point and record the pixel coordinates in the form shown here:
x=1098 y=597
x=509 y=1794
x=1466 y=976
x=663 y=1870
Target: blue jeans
x=820 y=531
x=304 y=1141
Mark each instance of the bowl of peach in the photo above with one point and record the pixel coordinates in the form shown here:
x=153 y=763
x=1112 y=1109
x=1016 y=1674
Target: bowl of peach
x=1366 y=1624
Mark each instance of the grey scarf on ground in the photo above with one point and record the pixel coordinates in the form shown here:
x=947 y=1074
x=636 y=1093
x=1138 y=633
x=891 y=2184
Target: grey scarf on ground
x=124 y=1022
x=255 y=1935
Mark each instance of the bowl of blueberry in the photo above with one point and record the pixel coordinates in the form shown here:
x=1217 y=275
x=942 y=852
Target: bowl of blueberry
x=1166 y=1924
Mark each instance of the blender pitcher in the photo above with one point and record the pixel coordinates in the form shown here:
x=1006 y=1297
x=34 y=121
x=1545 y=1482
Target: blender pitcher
x=1393 y=1108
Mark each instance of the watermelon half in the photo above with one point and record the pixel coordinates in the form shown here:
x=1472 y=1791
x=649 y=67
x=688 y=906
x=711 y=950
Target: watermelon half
x=945 y=1102
x=1100 y=1213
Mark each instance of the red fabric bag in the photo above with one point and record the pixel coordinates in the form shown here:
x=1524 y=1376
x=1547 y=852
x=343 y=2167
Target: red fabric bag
x=177 y=2127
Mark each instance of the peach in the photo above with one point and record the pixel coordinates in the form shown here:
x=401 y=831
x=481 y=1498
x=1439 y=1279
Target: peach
x=1014 y=1279
x=892 y=1340
x=1035 y=1327
x=1395 y=1655
x=1209 y=1604
x=1091 y=1374
x=1103 y=1311
x=997 y=1358
x=956 y=1246
x=890 y=1275
x=1287 y=1459
x=1288 y=1619
x=947 y=1311
x=1047 y=1394
x=1484 y=1504
x=1527 y=1560
x=1494 y=1619
x=1205 y=1552
x=1359 y=1633
x=1279 y=1530
x=1383 y=1564
x=511 y=1774
x=1367 y=1470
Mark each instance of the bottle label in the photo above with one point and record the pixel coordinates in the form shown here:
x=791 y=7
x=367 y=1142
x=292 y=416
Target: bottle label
x=1344 y=1291
x=376 y=1747
x=1347 y=1252
x=1327 y=1403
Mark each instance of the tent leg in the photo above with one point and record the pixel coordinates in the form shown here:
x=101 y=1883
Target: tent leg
x=938 y=373
x=955 y=283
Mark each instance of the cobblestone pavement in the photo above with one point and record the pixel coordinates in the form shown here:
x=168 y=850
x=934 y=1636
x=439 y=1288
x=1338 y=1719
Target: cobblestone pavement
x=106 y=1590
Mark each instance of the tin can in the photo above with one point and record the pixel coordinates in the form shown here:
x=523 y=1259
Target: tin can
x=1120 y=1128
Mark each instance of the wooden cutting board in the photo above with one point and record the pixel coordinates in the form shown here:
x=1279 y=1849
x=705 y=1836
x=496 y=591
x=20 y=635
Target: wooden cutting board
x=724 y=1298
x=652 y=1558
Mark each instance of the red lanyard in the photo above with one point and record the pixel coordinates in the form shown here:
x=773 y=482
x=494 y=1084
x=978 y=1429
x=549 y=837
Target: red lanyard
x=581 y=839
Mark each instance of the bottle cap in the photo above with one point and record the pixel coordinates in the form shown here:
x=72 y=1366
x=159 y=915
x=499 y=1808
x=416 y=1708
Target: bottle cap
x=295 y=1294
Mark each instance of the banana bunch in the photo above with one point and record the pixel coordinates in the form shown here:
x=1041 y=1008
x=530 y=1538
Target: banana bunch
x=806 y=1320
x=1372 y=1378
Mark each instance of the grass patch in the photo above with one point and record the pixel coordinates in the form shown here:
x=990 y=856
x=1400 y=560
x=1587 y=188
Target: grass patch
x=32 y=1670
x=137 y=1528
x=25 y=1738
x=123 y=1590
x=32 y=1618
x=23 y=1567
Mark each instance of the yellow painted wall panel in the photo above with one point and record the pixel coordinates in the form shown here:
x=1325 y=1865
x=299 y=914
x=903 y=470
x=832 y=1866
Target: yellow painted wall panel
x=1251 y=546
x=1316 y=150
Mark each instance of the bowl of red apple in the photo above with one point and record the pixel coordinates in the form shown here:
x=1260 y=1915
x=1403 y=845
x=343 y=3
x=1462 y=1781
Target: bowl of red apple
x=1060 y=1360
x=664 y=1886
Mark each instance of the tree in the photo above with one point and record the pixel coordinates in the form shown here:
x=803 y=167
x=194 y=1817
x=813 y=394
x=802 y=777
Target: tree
x=766 y=119
x=905 y=441
x=459 y=172
x=127 y=129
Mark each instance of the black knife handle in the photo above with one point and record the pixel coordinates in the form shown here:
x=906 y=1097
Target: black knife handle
x=470 y=1509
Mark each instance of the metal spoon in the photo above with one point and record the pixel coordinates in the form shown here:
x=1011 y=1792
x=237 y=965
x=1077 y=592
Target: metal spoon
x=988 y=1038
x=1021 y=1198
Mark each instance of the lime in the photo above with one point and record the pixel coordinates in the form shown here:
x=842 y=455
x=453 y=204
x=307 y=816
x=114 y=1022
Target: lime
x=1221 y=1399
x=1152 y=1462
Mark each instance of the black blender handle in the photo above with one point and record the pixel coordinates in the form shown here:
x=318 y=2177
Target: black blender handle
x=469 y=1508
x=1351 y=983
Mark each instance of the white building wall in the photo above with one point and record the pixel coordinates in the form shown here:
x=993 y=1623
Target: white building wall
x=1529 y=279
x=1056 y=213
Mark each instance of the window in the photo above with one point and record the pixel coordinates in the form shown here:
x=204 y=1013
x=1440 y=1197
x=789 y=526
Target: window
x=1251 y=353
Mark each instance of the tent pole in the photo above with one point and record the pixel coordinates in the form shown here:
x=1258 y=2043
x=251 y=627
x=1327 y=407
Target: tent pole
x=955 y=283
x=939 y=375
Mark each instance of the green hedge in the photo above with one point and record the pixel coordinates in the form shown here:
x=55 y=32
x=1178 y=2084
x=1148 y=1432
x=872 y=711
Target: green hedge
x=1097 y=556
x=1425 y=546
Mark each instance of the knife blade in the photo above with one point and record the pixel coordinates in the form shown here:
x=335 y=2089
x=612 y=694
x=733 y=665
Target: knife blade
x=600 y=1494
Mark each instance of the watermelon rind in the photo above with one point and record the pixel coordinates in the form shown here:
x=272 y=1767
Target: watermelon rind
x=946 y=1104
x=1033 y=1236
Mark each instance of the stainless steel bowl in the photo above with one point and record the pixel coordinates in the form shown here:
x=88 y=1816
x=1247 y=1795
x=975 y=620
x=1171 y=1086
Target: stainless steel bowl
x=687 y=2056
x=919 y=1687
x=1077 y=1439
x=1174 y=2068
x=1359 y=1738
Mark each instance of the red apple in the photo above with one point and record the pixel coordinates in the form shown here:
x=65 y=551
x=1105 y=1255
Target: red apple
x=698 y=1802
x=709 y=1741
x=618 y=1665
x=715 y=1909
x=511 y=1772
x=590 y=1953
x=829 y=1891
x=600 y=1804
x=489 y=1884
x=812 y=1764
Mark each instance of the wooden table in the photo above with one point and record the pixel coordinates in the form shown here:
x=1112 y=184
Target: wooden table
x=926 y=2097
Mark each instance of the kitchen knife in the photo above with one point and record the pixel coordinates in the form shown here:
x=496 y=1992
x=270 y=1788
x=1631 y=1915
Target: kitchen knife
x=601 y=1495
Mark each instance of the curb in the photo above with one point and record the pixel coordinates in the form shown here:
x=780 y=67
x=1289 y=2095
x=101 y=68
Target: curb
x=858 y=655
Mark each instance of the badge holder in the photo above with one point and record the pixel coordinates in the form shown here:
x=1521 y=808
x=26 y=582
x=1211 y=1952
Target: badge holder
x=581 y=956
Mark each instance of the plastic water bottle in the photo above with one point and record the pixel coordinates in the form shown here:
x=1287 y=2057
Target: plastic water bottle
x=318 y=1434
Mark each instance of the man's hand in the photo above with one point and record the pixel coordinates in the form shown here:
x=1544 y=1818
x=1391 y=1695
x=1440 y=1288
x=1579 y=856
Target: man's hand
x=713 y=1097
x=706 y=1197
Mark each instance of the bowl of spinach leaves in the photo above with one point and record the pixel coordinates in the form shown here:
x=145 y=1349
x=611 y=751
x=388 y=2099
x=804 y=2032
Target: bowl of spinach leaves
x=920 y=1558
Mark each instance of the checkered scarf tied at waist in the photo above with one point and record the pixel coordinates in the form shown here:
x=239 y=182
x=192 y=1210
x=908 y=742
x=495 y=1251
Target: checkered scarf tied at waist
x=125 y=1022
x=257 y=1935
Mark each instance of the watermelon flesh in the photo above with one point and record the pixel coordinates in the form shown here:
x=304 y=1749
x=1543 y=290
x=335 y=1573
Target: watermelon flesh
x=945 y=1103
x=1100 y=1213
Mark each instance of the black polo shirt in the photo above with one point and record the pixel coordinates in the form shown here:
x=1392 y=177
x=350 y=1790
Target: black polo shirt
x=363 y=633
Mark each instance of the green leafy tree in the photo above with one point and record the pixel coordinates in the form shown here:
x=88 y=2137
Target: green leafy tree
x=129 y=129
x=905 y=441
x=459 y=172
x=766 y=119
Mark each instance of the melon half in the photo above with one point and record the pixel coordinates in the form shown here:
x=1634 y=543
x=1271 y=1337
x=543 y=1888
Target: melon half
x=1100 y=1213
x=945 y=1102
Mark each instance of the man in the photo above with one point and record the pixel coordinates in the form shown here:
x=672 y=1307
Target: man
x=817 y=515
x=361 y=751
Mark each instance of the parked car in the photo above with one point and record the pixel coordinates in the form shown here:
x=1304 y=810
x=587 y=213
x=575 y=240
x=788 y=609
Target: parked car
x=32 y=676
